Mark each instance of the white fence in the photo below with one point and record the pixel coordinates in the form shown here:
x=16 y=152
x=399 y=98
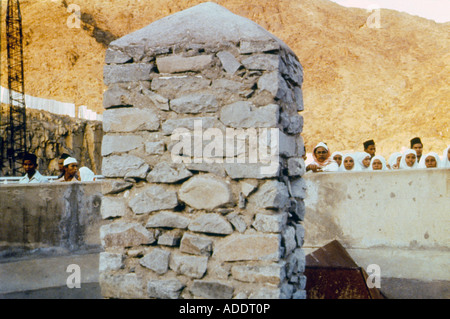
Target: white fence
x=53 y=106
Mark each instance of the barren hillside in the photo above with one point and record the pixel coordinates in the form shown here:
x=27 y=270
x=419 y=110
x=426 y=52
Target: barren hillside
x=389 y=83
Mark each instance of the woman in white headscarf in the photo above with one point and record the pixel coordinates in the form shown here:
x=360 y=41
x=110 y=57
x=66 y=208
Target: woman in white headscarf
x=409 y=159
x=394 y=160
x=337 y=157
x=86 y=174
x=430 y=160
x=446 y=158
x=363 y=160
x=378 y=163
x=322 y=161
x=349 y=163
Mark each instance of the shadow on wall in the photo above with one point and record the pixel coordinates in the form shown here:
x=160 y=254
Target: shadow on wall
x=49 y=219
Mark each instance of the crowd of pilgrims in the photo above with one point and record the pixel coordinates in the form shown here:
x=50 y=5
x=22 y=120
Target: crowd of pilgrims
x=325 y=161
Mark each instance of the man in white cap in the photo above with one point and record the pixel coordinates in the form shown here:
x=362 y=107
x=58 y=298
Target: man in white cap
x=70 y=171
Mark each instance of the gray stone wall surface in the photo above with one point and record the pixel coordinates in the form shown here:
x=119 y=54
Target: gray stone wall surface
x=201 y=150
x=50 y=219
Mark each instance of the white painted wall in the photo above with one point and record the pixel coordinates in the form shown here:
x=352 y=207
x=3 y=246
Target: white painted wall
x=52 y=106
x=399 y=219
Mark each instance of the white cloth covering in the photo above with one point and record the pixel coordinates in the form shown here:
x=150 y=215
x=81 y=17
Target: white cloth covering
x=382 y=160
x=403 y=164
x=445 y=162
x=356 y=166
x=424 y=157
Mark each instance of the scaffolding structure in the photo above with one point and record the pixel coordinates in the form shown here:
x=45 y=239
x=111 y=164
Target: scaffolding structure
x=14 y=123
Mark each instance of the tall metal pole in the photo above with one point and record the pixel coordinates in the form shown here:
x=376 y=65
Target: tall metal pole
x=16 y=144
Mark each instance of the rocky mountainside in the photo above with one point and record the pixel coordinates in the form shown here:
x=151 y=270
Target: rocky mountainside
x=388 y=84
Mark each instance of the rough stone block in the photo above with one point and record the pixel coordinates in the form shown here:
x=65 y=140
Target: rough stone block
x=229 y=62
x=257 y=170
x=272 y=274
x=157 y=260
x=196 y=245
x=270 y=223
x=168 y=219
x=241 y=247
x=159 y=101
x=115 y=187
x=138 y=173
x=154 y=148
x=121 y=165
x=113 y=207
x=116 y=96
x=194 y=103
x=133 y=95
x=170 y=238
x=176 y=63
x=298 y=99
x=266 y=62
x=122 y=286
x=299 y=234
x=211 y=223
x=250 y=46
x=214 y=168
x=153 y=198
x=243 y=115
x=137 y=52
x=287 y=144
x=248 y=187
x=295 y=73
x=226 y=86
x=266 y=293
x=123 y=234
x=173 y=86
x=273 y=83
x=169 y=126
x=191 y=266
x=298 y=188
x=165 y=172
x=272 y=194
x=237 y=221
x=301 y=260
x=296 y=166
x=116 y=56
x=164 y=289
x=120 y=143
x=289 y=240
x=130 y=72
x=298 y=208
x=129 y=120
x=110 y=261
x=212 y=289
x=205 y=192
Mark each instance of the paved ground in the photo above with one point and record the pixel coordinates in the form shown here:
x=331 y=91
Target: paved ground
x=87 y=291
x=46 y=278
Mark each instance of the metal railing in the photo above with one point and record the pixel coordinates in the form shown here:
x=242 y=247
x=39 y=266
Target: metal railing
x=15 y=179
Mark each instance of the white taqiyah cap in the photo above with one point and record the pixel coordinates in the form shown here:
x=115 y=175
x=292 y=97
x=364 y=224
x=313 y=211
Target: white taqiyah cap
x=69 y=160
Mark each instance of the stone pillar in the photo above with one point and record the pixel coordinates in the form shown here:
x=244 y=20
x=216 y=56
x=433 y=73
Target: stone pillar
x=202 y=161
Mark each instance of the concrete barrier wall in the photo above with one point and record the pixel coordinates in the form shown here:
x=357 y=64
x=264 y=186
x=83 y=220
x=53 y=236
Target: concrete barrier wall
x=398 y=220
x=51 y=218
